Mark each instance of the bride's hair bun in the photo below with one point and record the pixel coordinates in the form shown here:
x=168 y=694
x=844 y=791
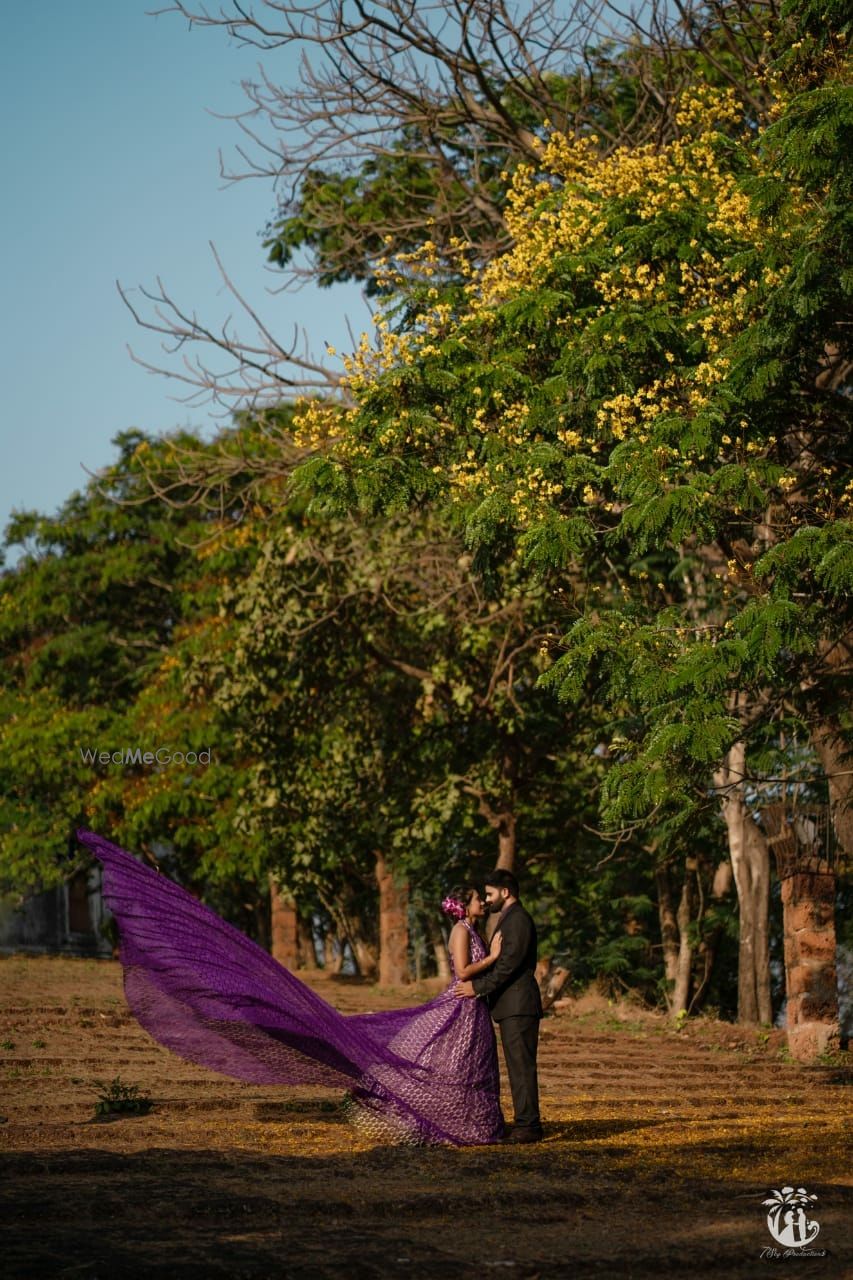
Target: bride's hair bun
x=456 y=902
x=454 y=907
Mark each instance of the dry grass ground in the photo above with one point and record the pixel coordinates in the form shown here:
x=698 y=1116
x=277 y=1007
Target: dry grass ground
x=660 y=1147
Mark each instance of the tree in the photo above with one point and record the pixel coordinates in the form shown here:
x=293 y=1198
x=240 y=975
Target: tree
x=87 y=615
x=99 y=618
x=388 y=700
x=653 y=376
x=425 y=718
x=399 y=129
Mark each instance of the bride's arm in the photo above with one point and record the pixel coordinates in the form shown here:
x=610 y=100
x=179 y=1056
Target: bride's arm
x=460 y=949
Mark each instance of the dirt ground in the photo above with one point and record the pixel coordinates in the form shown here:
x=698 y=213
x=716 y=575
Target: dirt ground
x=660 y=1147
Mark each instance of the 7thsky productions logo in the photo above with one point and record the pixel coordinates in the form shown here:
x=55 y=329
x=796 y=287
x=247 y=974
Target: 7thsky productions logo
x=790 y=1225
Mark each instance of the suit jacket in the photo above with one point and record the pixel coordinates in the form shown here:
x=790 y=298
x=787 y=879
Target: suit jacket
x=510 y=985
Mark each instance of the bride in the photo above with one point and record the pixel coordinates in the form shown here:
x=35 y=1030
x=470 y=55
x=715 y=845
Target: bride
x=200 y=987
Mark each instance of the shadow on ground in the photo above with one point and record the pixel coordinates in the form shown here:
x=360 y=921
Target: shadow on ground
x=660 y=1147
x=380 y=1213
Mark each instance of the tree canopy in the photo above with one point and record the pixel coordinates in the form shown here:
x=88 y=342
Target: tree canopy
x=555 y=566
x=653 y=381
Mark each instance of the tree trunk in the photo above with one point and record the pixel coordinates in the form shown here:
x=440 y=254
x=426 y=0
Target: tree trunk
x=675 y=934
x=506 y=842
x=750 y=859
x=263 y=922
x=363 y=952
x=350 y=929
x=668 y=930
x=808 y=906
x=837 y=761
x=305 y=945
x=393 y=927
x=758 y=856
x=720 y=889
x=333 y=953
x=808 y=924
x=684 y=961
x=283 y=927
x=439 y=947
x=501 y=815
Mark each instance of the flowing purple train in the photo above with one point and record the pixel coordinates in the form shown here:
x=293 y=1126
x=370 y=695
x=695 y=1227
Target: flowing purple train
x=200 y=987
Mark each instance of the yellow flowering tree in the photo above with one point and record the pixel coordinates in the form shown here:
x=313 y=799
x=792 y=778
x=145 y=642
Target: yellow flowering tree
x=652 y=383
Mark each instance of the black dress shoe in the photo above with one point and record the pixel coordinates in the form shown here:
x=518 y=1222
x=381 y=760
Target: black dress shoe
x=520 y=1133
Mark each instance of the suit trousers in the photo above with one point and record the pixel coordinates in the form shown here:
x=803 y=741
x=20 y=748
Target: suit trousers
x=520 y=1040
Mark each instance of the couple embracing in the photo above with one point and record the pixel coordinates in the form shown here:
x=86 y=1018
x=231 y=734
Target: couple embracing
x=421 y=1075
x=501 y=984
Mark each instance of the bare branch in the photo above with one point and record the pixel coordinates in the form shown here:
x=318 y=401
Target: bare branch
x=456 y=89
x=263 y=370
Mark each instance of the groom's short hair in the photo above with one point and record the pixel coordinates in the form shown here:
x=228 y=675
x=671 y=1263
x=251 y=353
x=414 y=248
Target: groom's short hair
x=501 y=879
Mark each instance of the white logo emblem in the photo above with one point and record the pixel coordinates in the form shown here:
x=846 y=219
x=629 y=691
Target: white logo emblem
x=787 y=1217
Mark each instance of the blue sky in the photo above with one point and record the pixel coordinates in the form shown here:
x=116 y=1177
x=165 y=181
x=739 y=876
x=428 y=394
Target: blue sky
x=111 y=171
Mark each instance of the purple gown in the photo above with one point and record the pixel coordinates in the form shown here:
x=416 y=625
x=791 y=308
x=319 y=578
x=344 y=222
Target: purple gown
x=200 y=987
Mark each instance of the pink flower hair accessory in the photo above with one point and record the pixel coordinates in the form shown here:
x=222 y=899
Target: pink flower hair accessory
x=453 y=907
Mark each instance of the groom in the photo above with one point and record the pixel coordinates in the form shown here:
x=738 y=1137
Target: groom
x=512 y=992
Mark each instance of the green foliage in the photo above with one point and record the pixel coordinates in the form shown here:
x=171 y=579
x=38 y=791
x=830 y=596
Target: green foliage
x=377 y=667
x=371 y=690
x=98 y=622
x=343 y=218
x=821 y=556
x=741 y=500
x=118 y=1098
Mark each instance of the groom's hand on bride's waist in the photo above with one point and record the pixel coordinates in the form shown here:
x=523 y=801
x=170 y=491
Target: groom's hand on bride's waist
x=464 y=989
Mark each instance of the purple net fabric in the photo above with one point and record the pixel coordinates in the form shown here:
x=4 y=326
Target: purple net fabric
x=200 y=987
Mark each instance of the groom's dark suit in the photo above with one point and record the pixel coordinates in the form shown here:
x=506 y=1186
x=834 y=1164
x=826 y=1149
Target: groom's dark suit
x=512 y=992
